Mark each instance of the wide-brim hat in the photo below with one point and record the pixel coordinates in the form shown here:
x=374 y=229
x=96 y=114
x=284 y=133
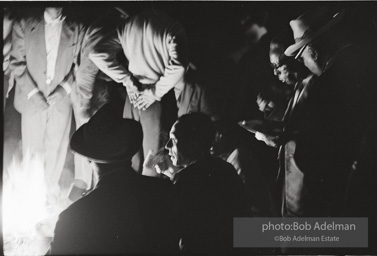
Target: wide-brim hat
x=107 y=137
x=310 y=26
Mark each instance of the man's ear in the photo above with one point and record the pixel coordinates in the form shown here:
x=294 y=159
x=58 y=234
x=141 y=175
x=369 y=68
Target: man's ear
x=313 y=52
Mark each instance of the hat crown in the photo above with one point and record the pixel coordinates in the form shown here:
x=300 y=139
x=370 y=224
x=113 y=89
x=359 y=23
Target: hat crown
x=310 y=26
x=102 y=122
x=309 y=22
x=107 y=137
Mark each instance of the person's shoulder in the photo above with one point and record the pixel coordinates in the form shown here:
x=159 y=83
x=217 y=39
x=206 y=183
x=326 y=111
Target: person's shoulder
x=155 y=180
x=221 y=162
x=82 y=205
x=223 y=168
x=74 y=22
x=29 y=18
x=157 y=21
x=155 y=183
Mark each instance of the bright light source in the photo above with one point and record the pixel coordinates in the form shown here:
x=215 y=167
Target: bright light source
x=30 y=207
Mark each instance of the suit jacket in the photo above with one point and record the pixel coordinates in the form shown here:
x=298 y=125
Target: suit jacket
x=88 y=74
x=8 y=21
x=210 y=194
x=28 y=59
x=194 y=98
x=155 y=46
x=126 y=213
x=326 y=131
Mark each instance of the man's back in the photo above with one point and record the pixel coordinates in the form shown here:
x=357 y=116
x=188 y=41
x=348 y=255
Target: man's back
x=210 y=194
x=124 y=214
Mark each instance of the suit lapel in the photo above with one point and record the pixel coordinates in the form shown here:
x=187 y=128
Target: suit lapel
x=64 y=50
x=65 y=38
x=288 y=111
x=38 y=47
x=299 y=108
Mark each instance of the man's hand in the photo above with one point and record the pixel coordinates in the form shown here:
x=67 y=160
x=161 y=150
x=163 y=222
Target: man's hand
x=40 y=101
x=132 y=90
x=58 y=94
x=264 y=105
x=145 y=99
x=269 y=140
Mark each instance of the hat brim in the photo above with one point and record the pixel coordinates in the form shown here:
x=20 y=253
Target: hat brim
x=294 y=48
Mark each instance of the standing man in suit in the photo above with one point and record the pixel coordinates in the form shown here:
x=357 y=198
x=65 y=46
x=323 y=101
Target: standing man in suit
x=324 y=134
x=155 y=47
x=43 y=59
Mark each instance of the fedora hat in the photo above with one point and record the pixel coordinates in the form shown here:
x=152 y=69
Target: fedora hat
x=310 y=26
x=107 y=137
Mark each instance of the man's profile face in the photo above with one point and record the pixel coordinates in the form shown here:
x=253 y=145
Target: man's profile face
x=178 y=148
x=282 y=70
x=310 y=60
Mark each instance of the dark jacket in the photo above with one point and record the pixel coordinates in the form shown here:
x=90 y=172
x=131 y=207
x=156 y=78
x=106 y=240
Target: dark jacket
x=327 y=131
x=126 y=213
x=210 y=194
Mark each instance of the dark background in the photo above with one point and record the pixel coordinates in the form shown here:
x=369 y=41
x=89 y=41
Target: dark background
x=213 y=31
x=213 y=28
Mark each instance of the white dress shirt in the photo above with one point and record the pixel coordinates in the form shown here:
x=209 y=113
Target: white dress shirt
x=53 y=30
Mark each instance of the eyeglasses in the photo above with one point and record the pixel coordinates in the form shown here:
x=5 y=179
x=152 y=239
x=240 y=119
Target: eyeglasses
x=278 y=69
x=299 y=54
x=277 y=66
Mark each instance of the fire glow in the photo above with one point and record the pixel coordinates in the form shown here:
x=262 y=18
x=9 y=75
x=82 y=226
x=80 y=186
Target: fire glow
x=30 y=207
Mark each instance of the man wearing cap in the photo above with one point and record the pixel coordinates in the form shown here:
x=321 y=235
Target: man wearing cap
x=126 y=212
x=322 y=135
x=155 y=47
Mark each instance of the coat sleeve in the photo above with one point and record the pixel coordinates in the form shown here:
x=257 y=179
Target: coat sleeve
x=8 y=23
x=176 y=44
x=104 y=55
x=87 y=70
x=70 y=78
x=18 y=59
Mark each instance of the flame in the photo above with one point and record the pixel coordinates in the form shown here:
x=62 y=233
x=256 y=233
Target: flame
x=30 y=207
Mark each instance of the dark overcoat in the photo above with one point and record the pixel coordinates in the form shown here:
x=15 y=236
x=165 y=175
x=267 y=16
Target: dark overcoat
x=126 y=213
x=326 y=132
x=210 y=194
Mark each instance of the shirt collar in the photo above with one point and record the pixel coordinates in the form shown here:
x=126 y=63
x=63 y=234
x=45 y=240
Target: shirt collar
x=49 y=20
